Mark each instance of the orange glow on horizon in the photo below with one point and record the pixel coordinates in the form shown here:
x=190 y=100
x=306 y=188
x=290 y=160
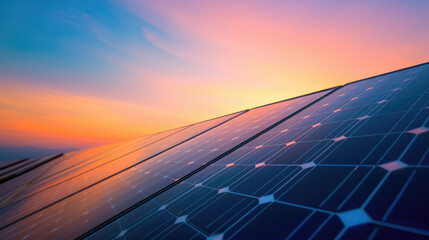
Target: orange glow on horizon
x=52 y=119
x=194 y=61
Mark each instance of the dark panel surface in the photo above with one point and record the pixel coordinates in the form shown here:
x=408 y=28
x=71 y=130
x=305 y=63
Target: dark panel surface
x=79 y=170
x=80 y=211
x=352 y=166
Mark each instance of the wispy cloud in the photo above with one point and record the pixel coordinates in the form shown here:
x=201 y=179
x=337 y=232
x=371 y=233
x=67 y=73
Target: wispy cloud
x=140 y=66
x=31 y=112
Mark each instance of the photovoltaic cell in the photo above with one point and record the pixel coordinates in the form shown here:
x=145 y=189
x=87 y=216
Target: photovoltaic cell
x=352 y=166
x=80 y=212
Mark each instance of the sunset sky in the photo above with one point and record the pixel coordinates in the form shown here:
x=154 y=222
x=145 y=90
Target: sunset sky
x=76 y=74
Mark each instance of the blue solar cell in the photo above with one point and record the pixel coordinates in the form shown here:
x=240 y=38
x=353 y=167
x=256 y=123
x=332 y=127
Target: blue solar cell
x=353 y=165
x=278 y=220
x=405 y=191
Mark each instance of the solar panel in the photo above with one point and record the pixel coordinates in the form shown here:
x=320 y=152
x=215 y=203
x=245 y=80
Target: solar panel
x=82 y=210
x=76 y=163
x=343 y=163
x=72 y=160
x=58 y=189
x=352 y=166
x=24 y=185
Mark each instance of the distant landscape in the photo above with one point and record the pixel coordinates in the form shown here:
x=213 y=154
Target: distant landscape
x=18 y=153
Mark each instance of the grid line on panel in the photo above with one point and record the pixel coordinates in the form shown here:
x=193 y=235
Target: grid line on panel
x=205 y=165
x=425 y=156
x=123 y=170
x=386 y=215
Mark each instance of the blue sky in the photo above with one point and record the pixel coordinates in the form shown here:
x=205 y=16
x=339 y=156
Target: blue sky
x=82 y=73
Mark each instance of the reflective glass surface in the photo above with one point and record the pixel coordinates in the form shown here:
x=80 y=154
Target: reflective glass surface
x=352 y=166
x=74 y=211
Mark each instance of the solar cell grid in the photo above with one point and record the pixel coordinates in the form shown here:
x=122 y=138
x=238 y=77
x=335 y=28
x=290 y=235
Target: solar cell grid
x=91 y=157
x=67 y=159
x=92 y=206
x=77 y=163
x=62 y=189
x=353 y=165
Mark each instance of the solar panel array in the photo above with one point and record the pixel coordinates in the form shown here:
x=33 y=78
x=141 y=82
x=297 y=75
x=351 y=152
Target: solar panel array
x=347 y=163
